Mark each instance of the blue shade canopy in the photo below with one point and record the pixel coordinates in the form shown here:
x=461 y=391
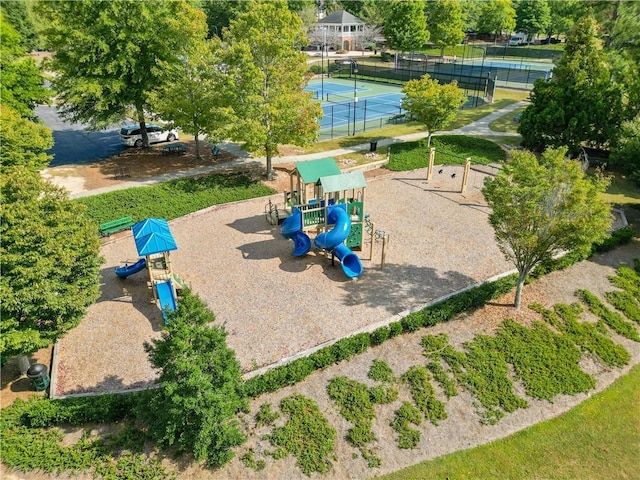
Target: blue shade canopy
x=153 y=236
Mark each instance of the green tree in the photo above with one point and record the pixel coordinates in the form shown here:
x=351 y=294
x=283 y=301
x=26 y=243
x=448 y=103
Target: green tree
x=580 y=103
x=220 y=13
x=497 y=16
x=20 y=79
x=200 y=386
x=471 y=11
x=562 y=16
x=50 y=262
x=541 y=208
x=445 y=23
x=269 y=75
x=24 y=142
x=19 y=16
x=533 y=16
x=194 y=97
x=432 y=104
x=405 y=26
x=106 y=54
x=626 y=152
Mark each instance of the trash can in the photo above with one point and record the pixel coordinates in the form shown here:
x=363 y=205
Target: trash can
x=373 y=145
x=39 y=377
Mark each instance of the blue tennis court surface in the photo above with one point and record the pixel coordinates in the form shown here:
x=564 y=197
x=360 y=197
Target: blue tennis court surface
x=545 y=67
x=345 y=110
x=330 y=88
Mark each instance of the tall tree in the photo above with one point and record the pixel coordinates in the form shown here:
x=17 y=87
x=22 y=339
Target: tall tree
x=471 y=11
x=580 y=103
x=21 y=87
x=497 y=16
x=432 y=104
x=195 y=95
x=269 y=75
x=50 y=262
x=533 y=16
x=200 y=386
x=405 y=27
x=562 y=16
x=540 y=208
x=18 y=15
x=105 y=54
x=220 y=13
x=445 y=23
x=24 y=143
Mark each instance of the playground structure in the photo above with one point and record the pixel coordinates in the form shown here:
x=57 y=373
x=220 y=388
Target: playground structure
x=154 y=241
x=329 y=202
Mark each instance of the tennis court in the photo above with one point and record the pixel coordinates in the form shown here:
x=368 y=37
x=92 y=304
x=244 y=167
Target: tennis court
x=350 y=105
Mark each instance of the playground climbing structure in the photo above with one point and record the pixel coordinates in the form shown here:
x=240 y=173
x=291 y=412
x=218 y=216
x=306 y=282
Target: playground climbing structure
x=330 y=203
x=154 y=242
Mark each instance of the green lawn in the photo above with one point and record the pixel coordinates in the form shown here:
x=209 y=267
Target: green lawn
x=598 y=439
x=506 y=123
x=622 y=191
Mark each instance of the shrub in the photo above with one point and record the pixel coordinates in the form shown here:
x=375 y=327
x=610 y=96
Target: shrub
x=417 y=377
x=200 y=387
x=611 y=318
x=307 y=435
x=380 y=335
x=265 y=415
x=546 y=362
x=441 y=376
x=380 y=371
x=354 y=401
x=588 y=336
x=382 y=394
x=407 y=437
x=626 y=303
x=80 y=410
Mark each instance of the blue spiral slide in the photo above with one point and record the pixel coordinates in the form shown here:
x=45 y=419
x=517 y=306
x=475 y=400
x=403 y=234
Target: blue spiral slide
x=333 y=240
x=292 y=230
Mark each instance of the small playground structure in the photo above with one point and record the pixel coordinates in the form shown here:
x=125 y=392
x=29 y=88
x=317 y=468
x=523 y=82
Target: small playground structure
x=329 y=202
x=154 y=241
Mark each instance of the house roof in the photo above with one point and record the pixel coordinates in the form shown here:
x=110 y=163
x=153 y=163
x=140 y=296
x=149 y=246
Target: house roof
x=339 y=17
x=345 y=181
x=153 y=236
x=312 y=170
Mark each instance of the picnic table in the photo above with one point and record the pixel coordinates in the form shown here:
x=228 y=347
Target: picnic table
x=174 y=148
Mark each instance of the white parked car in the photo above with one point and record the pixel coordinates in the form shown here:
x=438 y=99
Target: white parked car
x=131 y=137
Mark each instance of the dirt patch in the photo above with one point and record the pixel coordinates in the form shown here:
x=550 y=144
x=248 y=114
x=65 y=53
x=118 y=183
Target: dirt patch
x=133 y=164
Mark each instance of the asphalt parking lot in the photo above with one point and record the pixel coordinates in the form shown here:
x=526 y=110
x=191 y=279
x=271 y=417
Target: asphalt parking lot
x=74 y=144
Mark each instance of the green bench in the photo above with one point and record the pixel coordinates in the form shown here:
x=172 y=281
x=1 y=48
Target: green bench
x=115 y=226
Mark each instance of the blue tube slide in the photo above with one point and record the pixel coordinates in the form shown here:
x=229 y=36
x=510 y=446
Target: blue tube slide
x=334 y=238
x=126 y=270
x=166 y=297
x=292 y=230
x=351 y=264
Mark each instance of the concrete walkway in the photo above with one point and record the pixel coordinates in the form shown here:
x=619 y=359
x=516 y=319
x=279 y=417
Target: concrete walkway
x=478 y=128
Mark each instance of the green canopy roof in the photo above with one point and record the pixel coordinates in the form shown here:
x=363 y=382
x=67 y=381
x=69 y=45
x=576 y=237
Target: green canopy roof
x=311 y=171
x=345 y=181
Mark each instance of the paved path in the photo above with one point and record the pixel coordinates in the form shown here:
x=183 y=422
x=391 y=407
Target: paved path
x=478 y=128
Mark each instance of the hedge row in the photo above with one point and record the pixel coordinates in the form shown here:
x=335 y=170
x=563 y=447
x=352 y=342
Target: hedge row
x=80 y=410
x=617 y=238
x=345 y=348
